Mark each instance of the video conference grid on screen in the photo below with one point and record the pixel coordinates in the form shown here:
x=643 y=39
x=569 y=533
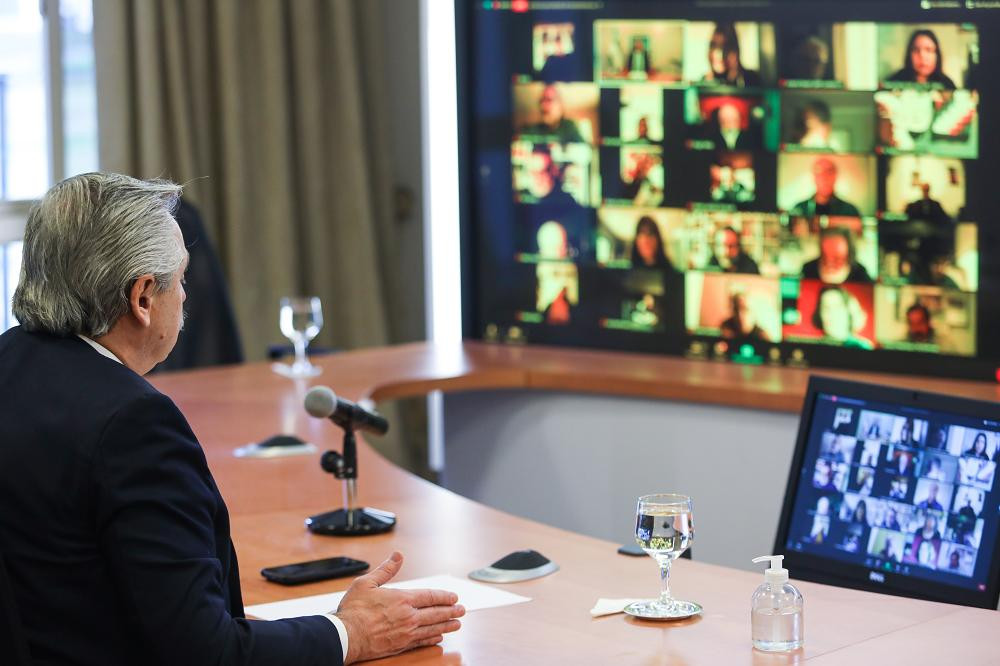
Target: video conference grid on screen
x=747 y=182
x=892 y=492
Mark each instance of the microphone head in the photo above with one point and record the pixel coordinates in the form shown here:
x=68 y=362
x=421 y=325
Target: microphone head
x=321 y=402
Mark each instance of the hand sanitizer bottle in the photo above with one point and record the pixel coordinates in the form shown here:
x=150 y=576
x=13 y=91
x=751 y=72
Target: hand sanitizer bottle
x=776 y=610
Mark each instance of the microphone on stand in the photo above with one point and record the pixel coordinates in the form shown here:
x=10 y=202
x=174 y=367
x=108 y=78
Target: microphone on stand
x=322 y=403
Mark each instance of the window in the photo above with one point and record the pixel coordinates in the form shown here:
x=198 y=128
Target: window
x=48 y=113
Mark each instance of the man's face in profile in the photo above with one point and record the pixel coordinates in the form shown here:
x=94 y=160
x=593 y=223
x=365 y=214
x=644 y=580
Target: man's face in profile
x=167 y=310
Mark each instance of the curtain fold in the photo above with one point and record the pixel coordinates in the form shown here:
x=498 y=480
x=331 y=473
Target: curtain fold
x=272 y=113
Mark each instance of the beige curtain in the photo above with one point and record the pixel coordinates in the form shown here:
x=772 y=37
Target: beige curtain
x=272 y=114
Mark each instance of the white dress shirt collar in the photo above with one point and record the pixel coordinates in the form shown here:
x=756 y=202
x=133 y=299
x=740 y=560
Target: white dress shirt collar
x=101 y=349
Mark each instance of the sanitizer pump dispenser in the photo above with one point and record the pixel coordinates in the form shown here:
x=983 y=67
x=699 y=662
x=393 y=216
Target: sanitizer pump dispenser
x=776 y=610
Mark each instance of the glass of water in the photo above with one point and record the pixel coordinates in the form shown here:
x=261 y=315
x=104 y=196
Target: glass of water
x=664 y=529
x=300 y=319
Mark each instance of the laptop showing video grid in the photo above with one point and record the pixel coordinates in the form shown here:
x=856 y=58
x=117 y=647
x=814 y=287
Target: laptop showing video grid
x=896 y=490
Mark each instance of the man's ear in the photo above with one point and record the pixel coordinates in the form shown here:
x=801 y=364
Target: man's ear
x=140 y=299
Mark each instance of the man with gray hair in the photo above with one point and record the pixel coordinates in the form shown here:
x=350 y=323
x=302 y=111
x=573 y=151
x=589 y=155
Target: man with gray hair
x=112 y=529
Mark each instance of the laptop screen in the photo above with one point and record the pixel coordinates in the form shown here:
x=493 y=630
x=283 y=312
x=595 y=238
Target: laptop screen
x=895 y=491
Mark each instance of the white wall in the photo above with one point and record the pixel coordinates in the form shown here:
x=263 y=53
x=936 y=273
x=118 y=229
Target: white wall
x=580 y=461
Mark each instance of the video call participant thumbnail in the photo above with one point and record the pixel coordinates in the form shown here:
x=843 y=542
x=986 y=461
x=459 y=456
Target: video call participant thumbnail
x=731 y=179
x=642 y=50
x=957 y=559
x=961 y=530
x=831 y=249
x=742 y=322
x=732 y=306
x=728 y=254
x=819 y=526
x=726 y=54
x=977 y=444
x=930 y=189
x=839 y=315
x=923 y=62
x=534 y=233
x=553 y=52
x=557 y=291
x=830 y=476
x=648 y=249
x=925 y=319
x=725 y=122
x=932 y=495
x=632 y=175
x=934 y=122
x=889 y=546
x=638 y=237
x=729 y=242
x=643 y=300
x=553 y=175
x=631 y=114
x=813 y=128
x=969 y=502
x=922 y=253
x=556 y=112
x=830 y=121
x=826 y=185
x=805 y=53
x=926 y=545
x=824 y=200
x=837 y=261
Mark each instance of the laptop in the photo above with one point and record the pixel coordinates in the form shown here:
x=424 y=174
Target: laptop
x=895 y=491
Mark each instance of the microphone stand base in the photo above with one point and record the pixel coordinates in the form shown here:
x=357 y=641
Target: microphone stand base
x=351 y=522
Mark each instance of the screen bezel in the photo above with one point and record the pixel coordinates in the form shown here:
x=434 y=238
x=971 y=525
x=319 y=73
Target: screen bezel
x=809 y=567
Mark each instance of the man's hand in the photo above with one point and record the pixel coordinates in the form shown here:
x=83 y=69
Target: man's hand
x=381 y=622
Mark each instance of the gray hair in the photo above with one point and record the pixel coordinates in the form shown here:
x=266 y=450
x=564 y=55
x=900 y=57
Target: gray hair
x=86 y=242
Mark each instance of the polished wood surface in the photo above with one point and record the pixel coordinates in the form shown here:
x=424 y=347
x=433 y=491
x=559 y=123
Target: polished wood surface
x=440 y=532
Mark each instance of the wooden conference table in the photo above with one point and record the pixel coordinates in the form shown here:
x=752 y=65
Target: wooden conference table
x=440 y=532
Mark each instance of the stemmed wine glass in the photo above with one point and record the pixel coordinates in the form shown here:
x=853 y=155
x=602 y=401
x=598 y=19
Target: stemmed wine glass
x=300 y=320
x=664 y=529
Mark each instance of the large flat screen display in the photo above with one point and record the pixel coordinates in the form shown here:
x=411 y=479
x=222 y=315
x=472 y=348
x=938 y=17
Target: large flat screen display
x=895 y=491
x=788 y=183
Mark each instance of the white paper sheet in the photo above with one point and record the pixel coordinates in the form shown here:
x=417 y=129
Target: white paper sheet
x=474 y=596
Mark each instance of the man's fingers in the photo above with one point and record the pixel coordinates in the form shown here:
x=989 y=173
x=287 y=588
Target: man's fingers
x=424 y=598
x=435 y=629
x=435 y=614
x=385 y=571
x=426 y=642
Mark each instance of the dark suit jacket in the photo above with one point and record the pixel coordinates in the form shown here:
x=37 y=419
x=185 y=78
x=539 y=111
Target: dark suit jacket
x=114 y=533
x=746 y=140
x=836 y=207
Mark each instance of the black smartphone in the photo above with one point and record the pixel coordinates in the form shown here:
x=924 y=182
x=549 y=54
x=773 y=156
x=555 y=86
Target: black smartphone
x=308 y=572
